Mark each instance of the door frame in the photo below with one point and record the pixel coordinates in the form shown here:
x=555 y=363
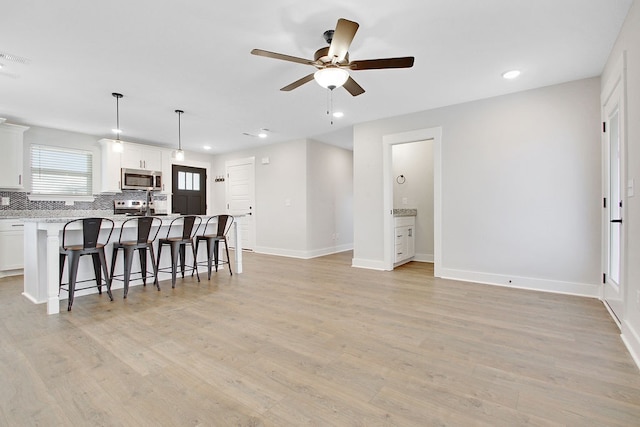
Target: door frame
x=614 y=87
x=203 y=180
x=191 y=163
x=434 y=134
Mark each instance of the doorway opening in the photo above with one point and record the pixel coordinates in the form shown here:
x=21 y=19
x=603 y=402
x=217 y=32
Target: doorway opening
x=434 y=135
x=189 y=189
x=412 y=165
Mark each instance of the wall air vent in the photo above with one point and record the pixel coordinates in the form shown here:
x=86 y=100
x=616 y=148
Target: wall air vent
x=13 y=58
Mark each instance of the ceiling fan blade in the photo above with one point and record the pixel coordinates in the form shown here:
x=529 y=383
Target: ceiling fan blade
x=298 y=83
x=342 y=38
x=353 y=88
x=376 y=64
x=266 y=53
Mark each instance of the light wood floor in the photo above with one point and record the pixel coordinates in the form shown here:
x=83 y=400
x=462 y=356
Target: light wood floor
x=317 y=342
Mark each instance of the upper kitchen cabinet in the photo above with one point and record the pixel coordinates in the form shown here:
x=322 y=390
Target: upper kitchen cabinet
x=11 y=160
x=110 y=166
x=137 y=156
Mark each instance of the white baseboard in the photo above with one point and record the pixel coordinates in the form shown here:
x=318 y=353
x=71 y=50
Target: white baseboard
x=631 y=339
x=16 y=272
x=554 y=286
x=303 y=254
x=369 y=264
x=423 y=258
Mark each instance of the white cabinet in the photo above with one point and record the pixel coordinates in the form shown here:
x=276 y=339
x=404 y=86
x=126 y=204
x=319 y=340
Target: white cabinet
x=405 y=248
x=11 y=247
x=141 y=157
x=117 y=155
x=11 y=160
x=110 y=166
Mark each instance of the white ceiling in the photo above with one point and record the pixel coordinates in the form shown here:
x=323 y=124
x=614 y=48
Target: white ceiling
x=194 y=55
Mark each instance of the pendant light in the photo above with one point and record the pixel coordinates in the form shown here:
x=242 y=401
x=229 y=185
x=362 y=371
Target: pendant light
x=118 y=147
x=179 y=152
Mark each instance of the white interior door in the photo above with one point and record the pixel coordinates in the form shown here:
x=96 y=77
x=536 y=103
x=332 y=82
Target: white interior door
x=241 y=198
x=613 y=248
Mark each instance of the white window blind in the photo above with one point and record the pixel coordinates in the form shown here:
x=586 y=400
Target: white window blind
x=57 y=170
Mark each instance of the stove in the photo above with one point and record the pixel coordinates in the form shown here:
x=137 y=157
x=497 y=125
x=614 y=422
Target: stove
x=132 y=207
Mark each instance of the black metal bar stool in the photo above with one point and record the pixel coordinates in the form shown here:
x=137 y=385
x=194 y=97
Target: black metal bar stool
x=178 y=243
x=90 y=228
x=142 y=244
x=223 y=226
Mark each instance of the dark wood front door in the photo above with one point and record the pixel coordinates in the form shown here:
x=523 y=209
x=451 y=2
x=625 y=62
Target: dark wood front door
x=189 y=190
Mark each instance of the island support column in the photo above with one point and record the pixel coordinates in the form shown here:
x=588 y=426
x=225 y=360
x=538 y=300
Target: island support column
x=238 y=242
x=53 y=274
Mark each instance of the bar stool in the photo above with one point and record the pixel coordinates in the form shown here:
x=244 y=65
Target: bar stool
x=190 y=224
x=143 y=224
x=91 y=245
x=224 y=223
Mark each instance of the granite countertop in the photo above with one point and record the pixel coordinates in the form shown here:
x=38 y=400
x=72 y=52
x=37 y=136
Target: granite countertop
x=55 y=214
x=59 y=216
x=405 y=212
x=69 y=217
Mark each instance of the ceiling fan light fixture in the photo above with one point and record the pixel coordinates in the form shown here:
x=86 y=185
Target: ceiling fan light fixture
x=331 y=77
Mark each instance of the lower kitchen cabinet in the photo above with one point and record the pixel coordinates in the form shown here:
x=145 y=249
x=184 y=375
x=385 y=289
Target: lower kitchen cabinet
x=405 y=248
x=11 y=247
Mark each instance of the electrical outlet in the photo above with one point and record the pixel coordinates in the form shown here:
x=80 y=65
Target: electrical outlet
x=6 y=201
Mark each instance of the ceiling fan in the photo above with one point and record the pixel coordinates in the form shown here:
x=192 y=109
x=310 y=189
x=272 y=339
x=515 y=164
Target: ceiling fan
x=333 y=62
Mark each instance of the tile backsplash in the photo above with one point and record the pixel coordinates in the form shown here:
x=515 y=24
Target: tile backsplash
x=20 y=205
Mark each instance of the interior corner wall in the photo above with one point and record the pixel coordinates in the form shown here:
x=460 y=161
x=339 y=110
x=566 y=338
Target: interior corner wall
x=330 y=199
x=520 y=188
x=629 y=43
x=304 y=196
x=281 y=194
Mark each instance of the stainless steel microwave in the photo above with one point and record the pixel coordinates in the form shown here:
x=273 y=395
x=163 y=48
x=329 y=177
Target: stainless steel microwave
x=138 y=179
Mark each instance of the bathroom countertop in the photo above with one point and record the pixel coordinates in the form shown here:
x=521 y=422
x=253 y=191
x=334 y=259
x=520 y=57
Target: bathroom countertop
x=405 y=212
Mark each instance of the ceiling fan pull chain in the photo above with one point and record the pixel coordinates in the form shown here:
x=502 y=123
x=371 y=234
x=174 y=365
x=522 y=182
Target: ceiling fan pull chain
x=330 y=112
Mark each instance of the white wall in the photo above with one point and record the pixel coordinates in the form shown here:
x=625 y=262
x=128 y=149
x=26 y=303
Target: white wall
x=520 y=188
x=293 y=215
x=330 y=198
x=415 y=161
x=629 y=41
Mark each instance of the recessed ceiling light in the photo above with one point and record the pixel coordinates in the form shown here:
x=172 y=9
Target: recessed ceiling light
x=338 y=114
x=207 y=147
x=262 y=135
x=509 y=75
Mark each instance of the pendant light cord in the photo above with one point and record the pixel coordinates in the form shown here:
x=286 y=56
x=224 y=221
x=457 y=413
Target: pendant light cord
x=179 y=130
x=117 y=96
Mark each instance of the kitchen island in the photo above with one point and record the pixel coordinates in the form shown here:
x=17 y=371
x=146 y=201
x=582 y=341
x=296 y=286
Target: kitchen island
x=42 y=239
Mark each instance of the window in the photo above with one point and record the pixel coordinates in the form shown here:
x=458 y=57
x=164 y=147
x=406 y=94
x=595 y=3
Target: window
x=188 y=181
x=61 y=171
